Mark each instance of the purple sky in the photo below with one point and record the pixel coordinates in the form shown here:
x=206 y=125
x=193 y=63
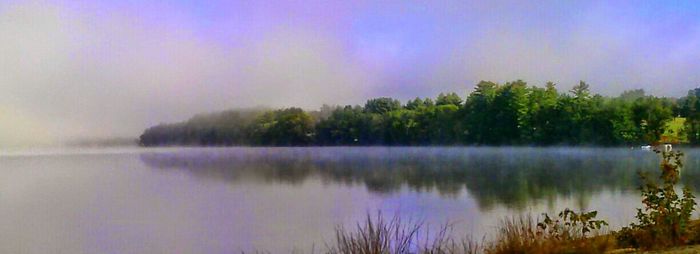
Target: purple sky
x=111 y=68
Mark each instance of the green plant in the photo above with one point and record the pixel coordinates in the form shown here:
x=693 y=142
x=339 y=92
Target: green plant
x=571 y=225
x=664 y=219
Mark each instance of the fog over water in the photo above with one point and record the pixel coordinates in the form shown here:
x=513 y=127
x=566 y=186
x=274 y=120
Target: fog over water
x=228 y=200
x=74 y=69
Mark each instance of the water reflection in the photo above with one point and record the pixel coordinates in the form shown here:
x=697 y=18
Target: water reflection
x=513 y=177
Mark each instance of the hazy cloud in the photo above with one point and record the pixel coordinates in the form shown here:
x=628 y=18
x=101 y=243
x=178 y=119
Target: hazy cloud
x=101 y=68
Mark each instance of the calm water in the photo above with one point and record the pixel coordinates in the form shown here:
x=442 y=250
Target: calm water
x=225 y=200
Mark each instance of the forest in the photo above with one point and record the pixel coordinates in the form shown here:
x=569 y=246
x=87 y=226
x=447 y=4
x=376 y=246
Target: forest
x=512 y=113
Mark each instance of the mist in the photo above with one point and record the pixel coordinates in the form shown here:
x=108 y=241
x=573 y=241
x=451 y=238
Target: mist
x=95 y=69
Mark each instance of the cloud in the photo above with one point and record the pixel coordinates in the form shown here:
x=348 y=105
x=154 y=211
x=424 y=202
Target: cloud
x=612 y=47
x=89 y=76
x=95 y=69
x=289 y=67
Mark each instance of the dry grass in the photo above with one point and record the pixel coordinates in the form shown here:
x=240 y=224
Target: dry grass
x=379 y=236
x=516 y=235
x=522 y=235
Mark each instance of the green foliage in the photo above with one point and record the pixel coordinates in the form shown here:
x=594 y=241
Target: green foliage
x=223 y=128
x=415 y=104
x=571 y=225
x=346 y=125
x=675 y=132
x=664 y=219
x=382 y=105
x=509 y=111
x=448 y=99
x=512 y=113
x=285 y=127
x=581 y=91
x=689 y=107
x=651 y=115
x=478 y=108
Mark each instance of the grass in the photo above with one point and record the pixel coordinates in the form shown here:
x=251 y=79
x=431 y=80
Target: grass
x=681 y=250
x=381 y=236
x=524 y=235
x=515 y=235
x=377 y=235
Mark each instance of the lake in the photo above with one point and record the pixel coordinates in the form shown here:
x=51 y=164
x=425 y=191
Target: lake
x=226 y=200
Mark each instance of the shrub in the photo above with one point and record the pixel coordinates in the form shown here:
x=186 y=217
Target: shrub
x=664 y=219
x=571 y=225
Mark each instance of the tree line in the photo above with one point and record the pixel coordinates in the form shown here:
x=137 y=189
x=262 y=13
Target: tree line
x=511 y=113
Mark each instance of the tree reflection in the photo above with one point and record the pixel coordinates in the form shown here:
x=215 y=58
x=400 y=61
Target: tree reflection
x=514 y=177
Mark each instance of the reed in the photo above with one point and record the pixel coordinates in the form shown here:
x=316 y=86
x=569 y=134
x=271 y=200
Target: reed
x=381 y=236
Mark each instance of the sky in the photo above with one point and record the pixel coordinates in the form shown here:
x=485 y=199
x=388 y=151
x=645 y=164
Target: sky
x=87 y=69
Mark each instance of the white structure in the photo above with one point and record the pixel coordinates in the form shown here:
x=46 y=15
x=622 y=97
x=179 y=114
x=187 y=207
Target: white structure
x=661 y=148
x=667 y=147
